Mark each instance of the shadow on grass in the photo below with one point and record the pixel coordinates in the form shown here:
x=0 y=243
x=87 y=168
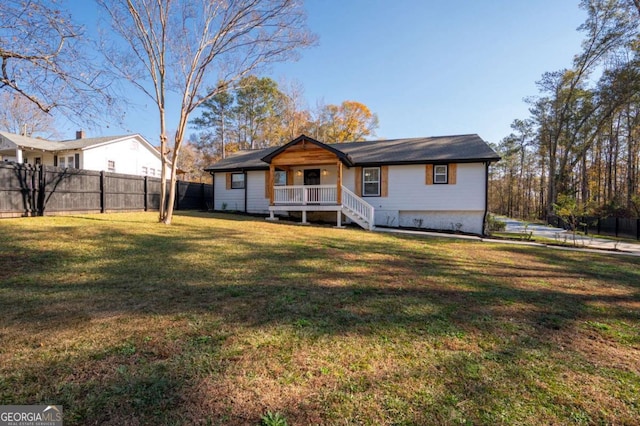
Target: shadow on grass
x=220 y=278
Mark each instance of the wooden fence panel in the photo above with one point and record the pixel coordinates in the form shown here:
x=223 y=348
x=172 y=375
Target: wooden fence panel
x=19 y=189
x=70 y=190
x=123 y=192
x=153 y=193
x=27 y=190
x=193 y=195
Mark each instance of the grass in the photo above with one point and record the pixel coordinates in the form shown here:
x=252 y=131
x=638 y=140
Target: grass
x=222 y=319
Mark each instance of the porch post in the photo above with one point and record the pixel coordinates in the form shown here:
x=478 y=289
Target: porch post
x=271 y=183
x=304 y=217
x=339 y=187
x=19 y=158
x=339 y=220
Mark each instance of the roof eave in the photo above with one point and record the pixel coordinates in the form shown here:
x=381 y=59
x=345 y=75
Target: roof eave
x=434 y=161
x=234 y=169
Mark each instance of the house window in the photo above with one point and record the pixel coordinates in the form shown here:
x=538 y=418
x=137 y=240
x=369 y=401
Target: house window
x=70 y=162
x=145 y=171
x=111 y=166
x=61 y=162
x=371 y=181
x=38 y=161
x=440 y=173
x=237 y=180
x=280 y=178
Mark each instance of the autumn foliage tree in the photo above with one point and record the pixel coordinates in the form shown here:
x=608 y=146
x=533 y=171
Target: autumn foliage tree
x=257 y=113
x=348 y=122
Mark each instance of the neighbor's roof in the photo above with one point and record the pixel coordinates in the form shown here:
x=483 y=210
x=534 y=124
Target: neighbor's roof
x=458 y=148
x=46 y=145
x=25 y=141
x=88 y=142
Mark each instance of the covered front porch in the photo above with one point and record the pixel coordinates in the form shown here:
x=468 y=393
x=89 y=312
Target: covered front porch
x=306 y=175
x=327 y=198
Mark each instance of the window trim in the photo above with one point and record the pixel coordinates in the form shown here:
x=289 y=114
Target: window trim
x=435 y=174
x=364 y=182
x=234 y=185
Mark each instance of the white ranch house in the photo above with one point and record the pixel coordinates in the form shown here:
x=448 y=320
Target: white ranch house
x=127 y=154
x=435 y=183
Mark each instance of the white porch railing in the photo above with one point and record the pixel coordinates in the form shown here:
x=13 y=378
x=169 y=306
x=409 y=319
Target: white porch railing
x=305 y=194
x=359 y=206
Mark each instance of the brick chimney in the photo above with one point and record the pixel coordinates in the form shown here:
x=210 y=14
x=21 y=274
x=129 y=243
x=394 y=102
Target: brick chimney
x=80 y=134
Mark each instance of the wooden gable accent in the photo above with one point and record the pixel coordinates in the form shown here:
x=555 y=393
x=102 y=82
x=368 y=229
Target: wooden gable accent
x=228 y=183
x=267 y=187
x=384 y=181
x=303 y=153
x=429 y=174
x=358 y=183
x=452 y=174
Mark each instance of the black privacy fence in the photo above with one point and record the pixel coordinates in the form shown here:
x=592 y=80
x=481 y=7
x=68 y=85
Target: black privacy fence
x=28 y=190
x=607 y=226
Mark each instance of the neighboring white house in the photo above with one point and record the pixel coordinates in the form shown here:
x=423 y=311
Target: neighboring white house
x=432 y=183
x=128 y=154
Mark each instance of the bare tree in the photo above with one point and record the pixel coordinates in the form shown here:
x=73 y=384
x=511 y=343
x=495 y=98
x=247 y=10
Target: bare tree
x=20 y=116
x=197 y=49
x=43 y=58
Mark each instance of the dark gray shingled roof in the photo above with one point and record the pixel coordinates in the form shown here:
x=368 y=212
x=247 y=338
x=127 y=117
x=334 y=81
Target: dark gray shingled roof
x=459 y=148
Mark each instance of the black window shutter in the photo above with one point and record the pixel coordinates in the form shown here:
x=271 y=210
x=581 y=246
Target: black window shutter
x=55 y=161
x=76 y=161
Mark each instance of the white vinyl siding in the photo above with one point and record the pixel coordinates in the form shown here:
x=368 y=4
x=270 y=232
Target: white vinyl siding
x=256 y=200
x=227 y=199
x=129 y=154
x=408 y=193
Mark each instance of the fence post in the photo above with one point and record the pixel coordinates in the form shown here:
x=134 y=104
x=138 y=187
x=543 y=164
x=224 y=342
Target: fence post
x=638 y=229
x=598 y=226
x=33 y=208
x=177 y=205
x=617 y=222
x=103 y=197
x=40 y=197
x=203 y=202
x=146 y=194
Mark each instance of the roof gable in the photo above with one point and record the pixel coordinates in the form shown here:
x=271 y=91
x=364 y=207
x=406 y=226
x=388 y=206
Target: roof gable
x=303 y=140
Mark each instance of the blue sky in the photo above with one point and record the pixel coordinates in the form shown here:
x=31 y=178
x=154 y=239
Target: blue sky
x=427 y=68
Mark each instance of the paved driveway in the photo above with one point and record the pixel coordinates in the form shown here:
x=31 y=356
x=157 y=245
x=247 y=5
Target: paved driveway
x=559 y=234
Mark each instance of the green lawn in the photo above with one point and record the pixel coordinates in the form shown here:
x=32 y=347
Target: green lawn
x=219 y=319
